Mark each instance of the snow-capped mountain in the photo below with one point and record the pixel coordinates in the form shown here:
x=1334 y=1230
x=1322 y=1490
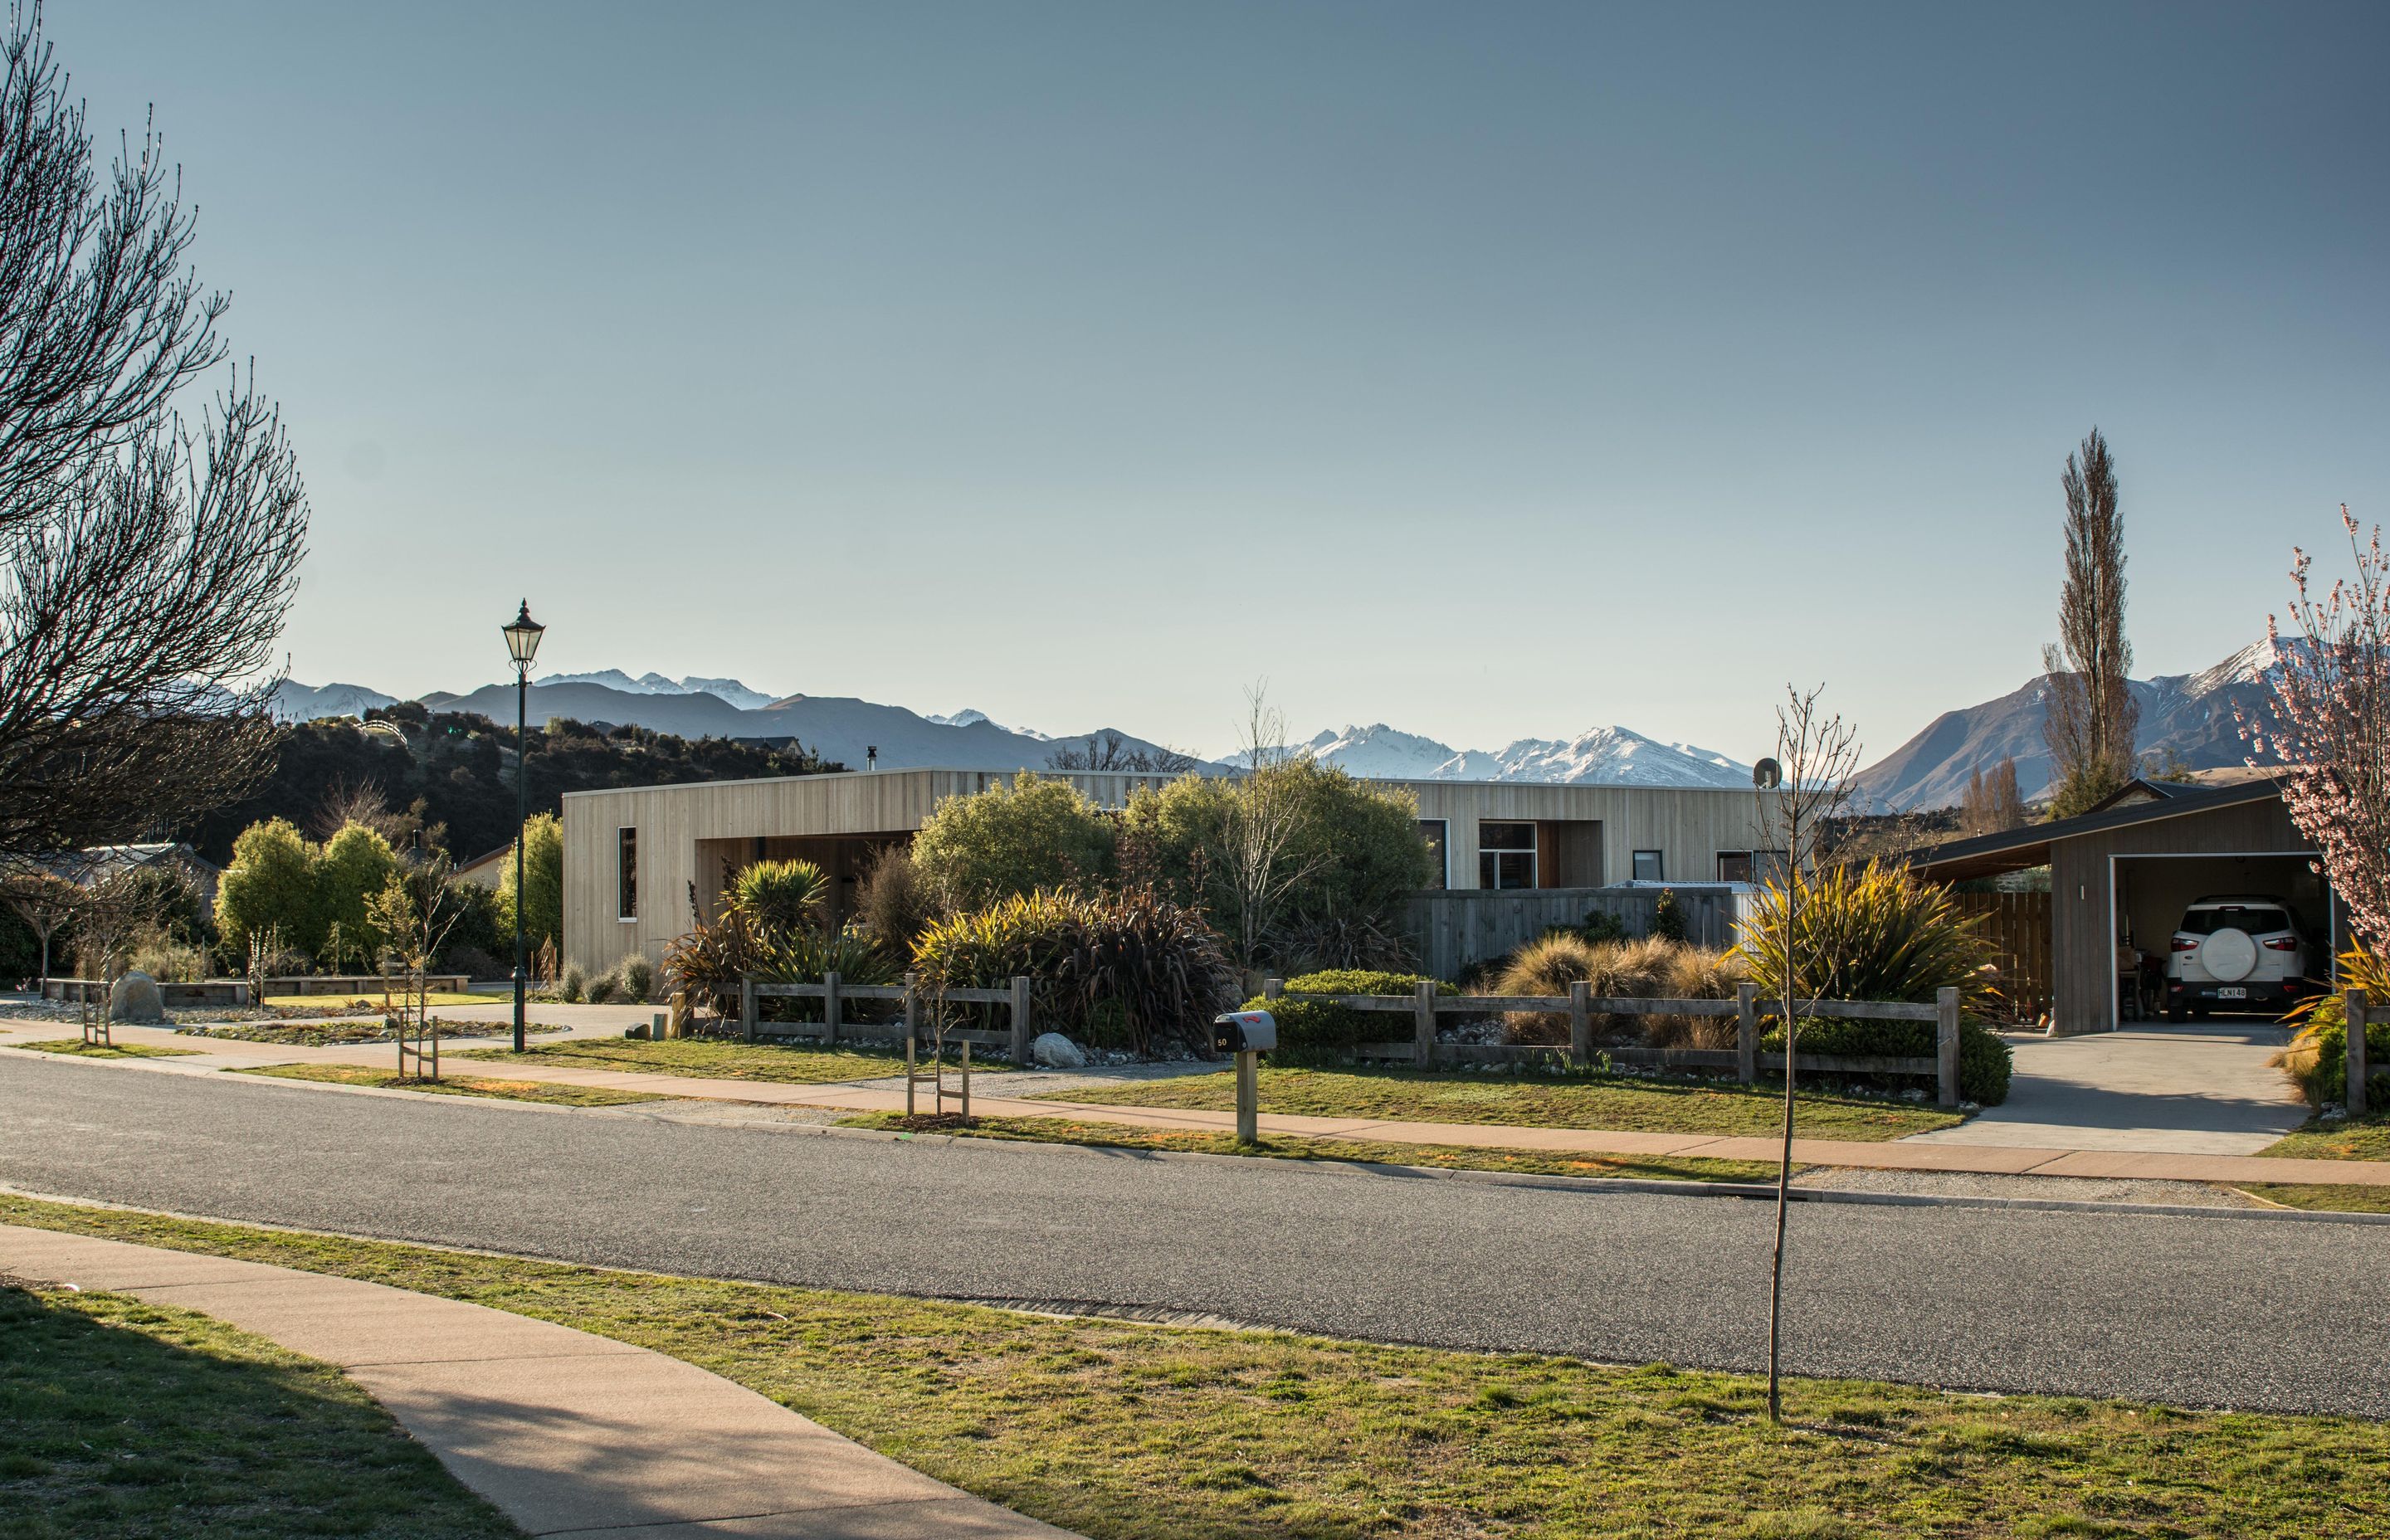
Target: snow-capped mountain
x=2195 y=716
x=731 y=690
x=296 y=702
x=1600 y=756
x=968 y=717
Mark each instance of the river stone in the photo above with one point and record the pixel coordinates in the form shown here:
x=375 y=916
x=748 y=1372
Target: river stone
x=1057 y=1052
x=137 y=998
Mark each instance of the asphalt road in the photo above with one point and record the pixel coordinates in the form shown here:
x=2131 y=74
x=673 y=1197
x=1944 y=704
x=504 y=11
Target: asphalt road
x=2219 y=1311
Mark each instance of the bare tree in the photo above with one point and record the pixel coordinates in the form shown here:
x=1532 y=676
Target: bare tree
x=1817 y=756
x=1262 y=854
x=2331 y=727
x=2091 y=712
x=42 y=899
x=1109 y=750
x=146 y=565
x=414 y=913
x=1992 y=804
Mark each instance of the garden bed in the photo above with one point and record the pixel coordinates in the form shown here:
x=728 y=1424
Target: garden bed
x=342 y=1034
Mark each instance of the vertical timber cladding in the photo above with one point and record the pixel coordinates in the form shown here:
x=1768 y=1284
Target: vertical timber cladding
x=673 y=819
x=2081 y=943
x=1593 y=831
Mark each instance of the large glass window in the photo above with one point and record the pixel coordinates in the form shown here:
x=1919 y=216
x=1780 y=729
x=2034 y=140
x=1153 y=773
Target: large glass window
x=1648 y=866
x=1438 y=851
x=627 y=873
x=1506 y=855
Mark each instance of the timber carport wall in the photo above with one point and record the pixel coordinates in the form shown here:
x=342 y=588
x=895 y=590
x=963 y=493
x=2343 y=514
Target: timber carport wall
x=2247 y=819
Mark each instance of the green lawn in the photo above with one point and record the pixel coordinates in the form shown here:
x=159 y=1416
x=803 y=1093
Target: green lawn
x=1533 y=1101
x=1123 y=1431
x=458 y=1085
x=2352 y=1139
x=798 y=1064
x=77 y=1047
x=1451 y=1157
x=120 y=1418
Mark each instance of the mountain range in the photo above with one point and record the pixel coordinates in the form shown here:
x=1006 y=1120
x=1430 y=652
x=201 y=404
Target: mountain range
x=2190 y=716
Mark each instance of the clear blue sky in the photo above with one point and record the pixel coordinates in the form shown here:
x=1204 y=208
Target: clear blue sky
x=1492 y=370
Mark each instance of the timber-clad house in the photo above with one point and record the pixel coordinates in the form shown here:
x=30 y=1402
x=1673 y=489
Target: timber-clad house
x=634 y=858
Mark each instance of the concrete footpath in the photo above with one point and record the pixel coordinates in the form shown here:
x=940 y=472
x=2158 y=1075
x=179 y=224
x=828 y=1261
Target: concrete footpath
x=566 y=1433
x=1923 y=1153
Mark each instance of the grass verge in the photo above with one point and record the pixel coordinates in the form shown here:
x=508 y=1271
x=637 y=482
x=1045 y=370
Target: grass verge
x=794 y=1064
x=1532 y=1102
x=1123 y=1431
x=337 y=1035
x=2343 y=1139
x=124 y=1418
x=456 y=1085
x=1450 y=1157
x=76 y=1048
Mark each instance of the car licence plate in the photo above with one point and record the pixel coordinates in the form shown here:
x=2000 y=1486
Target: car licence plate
x=2232 y=993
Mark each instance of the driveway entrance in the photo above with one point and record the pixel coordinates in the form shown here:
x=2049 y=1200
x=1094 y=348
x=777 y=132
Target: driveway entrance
x=2198 y=1089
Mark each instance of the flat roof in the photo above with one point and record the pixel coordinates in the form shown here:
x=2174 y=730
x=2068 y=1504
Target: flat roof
x=2016 y=848
x=1050 y=773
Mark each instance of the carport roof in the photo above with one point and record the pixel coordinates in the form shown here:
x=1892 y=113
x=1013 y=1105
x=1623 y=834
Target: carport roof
x=2016 y=848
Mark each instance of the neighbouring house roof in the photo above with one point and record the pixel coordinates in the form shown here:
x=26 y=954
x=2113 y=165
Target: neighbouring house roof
x=2016 y=848
x=96 y=862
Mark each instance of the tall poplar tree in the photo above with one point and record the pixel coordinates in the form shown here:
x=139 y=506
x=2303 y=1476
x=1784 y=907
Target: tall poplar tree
x=2092 y=715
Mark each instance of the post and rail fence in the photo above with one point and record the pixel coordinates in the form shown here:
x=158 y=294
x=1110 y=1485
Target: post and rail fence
x=2355 y=1004
x=834 y=994
x=1581 y=1006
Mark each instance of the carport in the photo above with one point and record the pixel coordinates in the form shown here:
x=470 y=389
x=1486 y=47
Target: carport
x=2121 y=875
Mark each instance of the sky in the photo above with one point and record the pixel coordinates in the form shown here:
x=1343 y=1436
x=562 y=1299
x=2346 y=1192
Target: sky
x=1490 y=370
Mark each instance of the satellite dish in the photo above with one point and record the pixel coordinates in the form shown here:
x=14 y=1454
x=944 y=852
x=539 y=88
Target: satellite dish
x=1768 y=775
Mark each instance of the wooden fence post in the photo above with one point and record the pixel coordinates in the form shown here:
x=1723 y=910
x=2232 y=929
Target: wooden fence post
x=1020 y=1021
x=1946 y=1045
x=1273 y=988
x=1746 y=1032
x=1423 y=1024
x=1580 y=1023
x=747 y=1007
x=2353 y=1004
x=829 y=1004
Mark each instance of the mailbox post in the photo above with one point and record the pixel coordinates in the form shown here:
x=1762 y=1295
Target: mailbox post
x=1248 y=1035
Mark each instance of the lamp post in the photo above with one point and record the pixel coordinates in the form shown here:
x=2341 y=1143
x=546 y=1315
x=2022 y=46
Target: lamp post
x=523 y=636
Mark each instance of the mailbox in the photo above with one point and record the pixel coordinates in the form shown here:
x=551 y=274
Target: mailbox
x=1244 y=1031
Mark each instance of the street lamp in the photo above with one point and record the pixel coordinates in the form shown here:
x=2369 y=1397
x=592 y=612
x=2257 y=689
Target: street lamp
x=523 y=636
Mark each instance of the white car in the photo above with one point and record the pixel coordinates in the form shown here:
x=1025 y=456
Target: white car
x=2235 y=954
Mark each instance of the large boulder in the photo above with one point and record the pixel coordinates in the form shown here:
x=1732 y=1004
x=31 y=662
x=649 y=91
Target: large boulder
x=1057 y=1052
x=137 y=998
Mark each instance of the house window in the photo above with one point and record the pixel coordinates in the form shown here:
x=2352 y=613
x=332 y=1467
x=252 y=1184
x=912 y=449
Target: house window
x=1648 y=866
x=1734 y=866
x=1506 y=855
x=1439 y=853
x=627 y=873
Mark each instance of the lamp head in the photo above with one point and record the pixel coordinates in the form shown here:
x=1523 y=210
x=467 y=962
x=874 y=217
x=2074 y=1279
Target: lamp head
x=1768 y=775
x=523 y=636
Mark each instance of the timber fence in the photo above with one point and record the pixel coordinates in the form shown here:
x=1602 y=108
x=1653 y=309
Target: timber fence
x=1581 y=1006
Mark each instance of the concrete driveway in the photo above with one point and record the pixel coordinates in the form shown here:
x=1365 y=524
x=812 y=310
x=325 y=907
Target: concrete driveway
x=2203 y=1088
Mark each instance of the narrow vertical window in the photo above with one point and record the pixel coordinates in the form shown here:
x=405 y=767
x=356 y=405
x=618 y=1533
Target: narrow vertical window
x=626 y=874
x=1440 y=870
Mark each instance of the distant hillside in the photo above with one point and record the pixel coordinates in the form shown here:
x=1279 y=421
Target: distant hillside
x=460 y=766
x=2189 y=714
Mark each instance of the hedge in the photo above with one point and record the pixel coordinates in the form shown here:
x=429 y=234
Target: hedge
x=2325 y=1076
x=1313 y=1031
x=1984 y=1060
